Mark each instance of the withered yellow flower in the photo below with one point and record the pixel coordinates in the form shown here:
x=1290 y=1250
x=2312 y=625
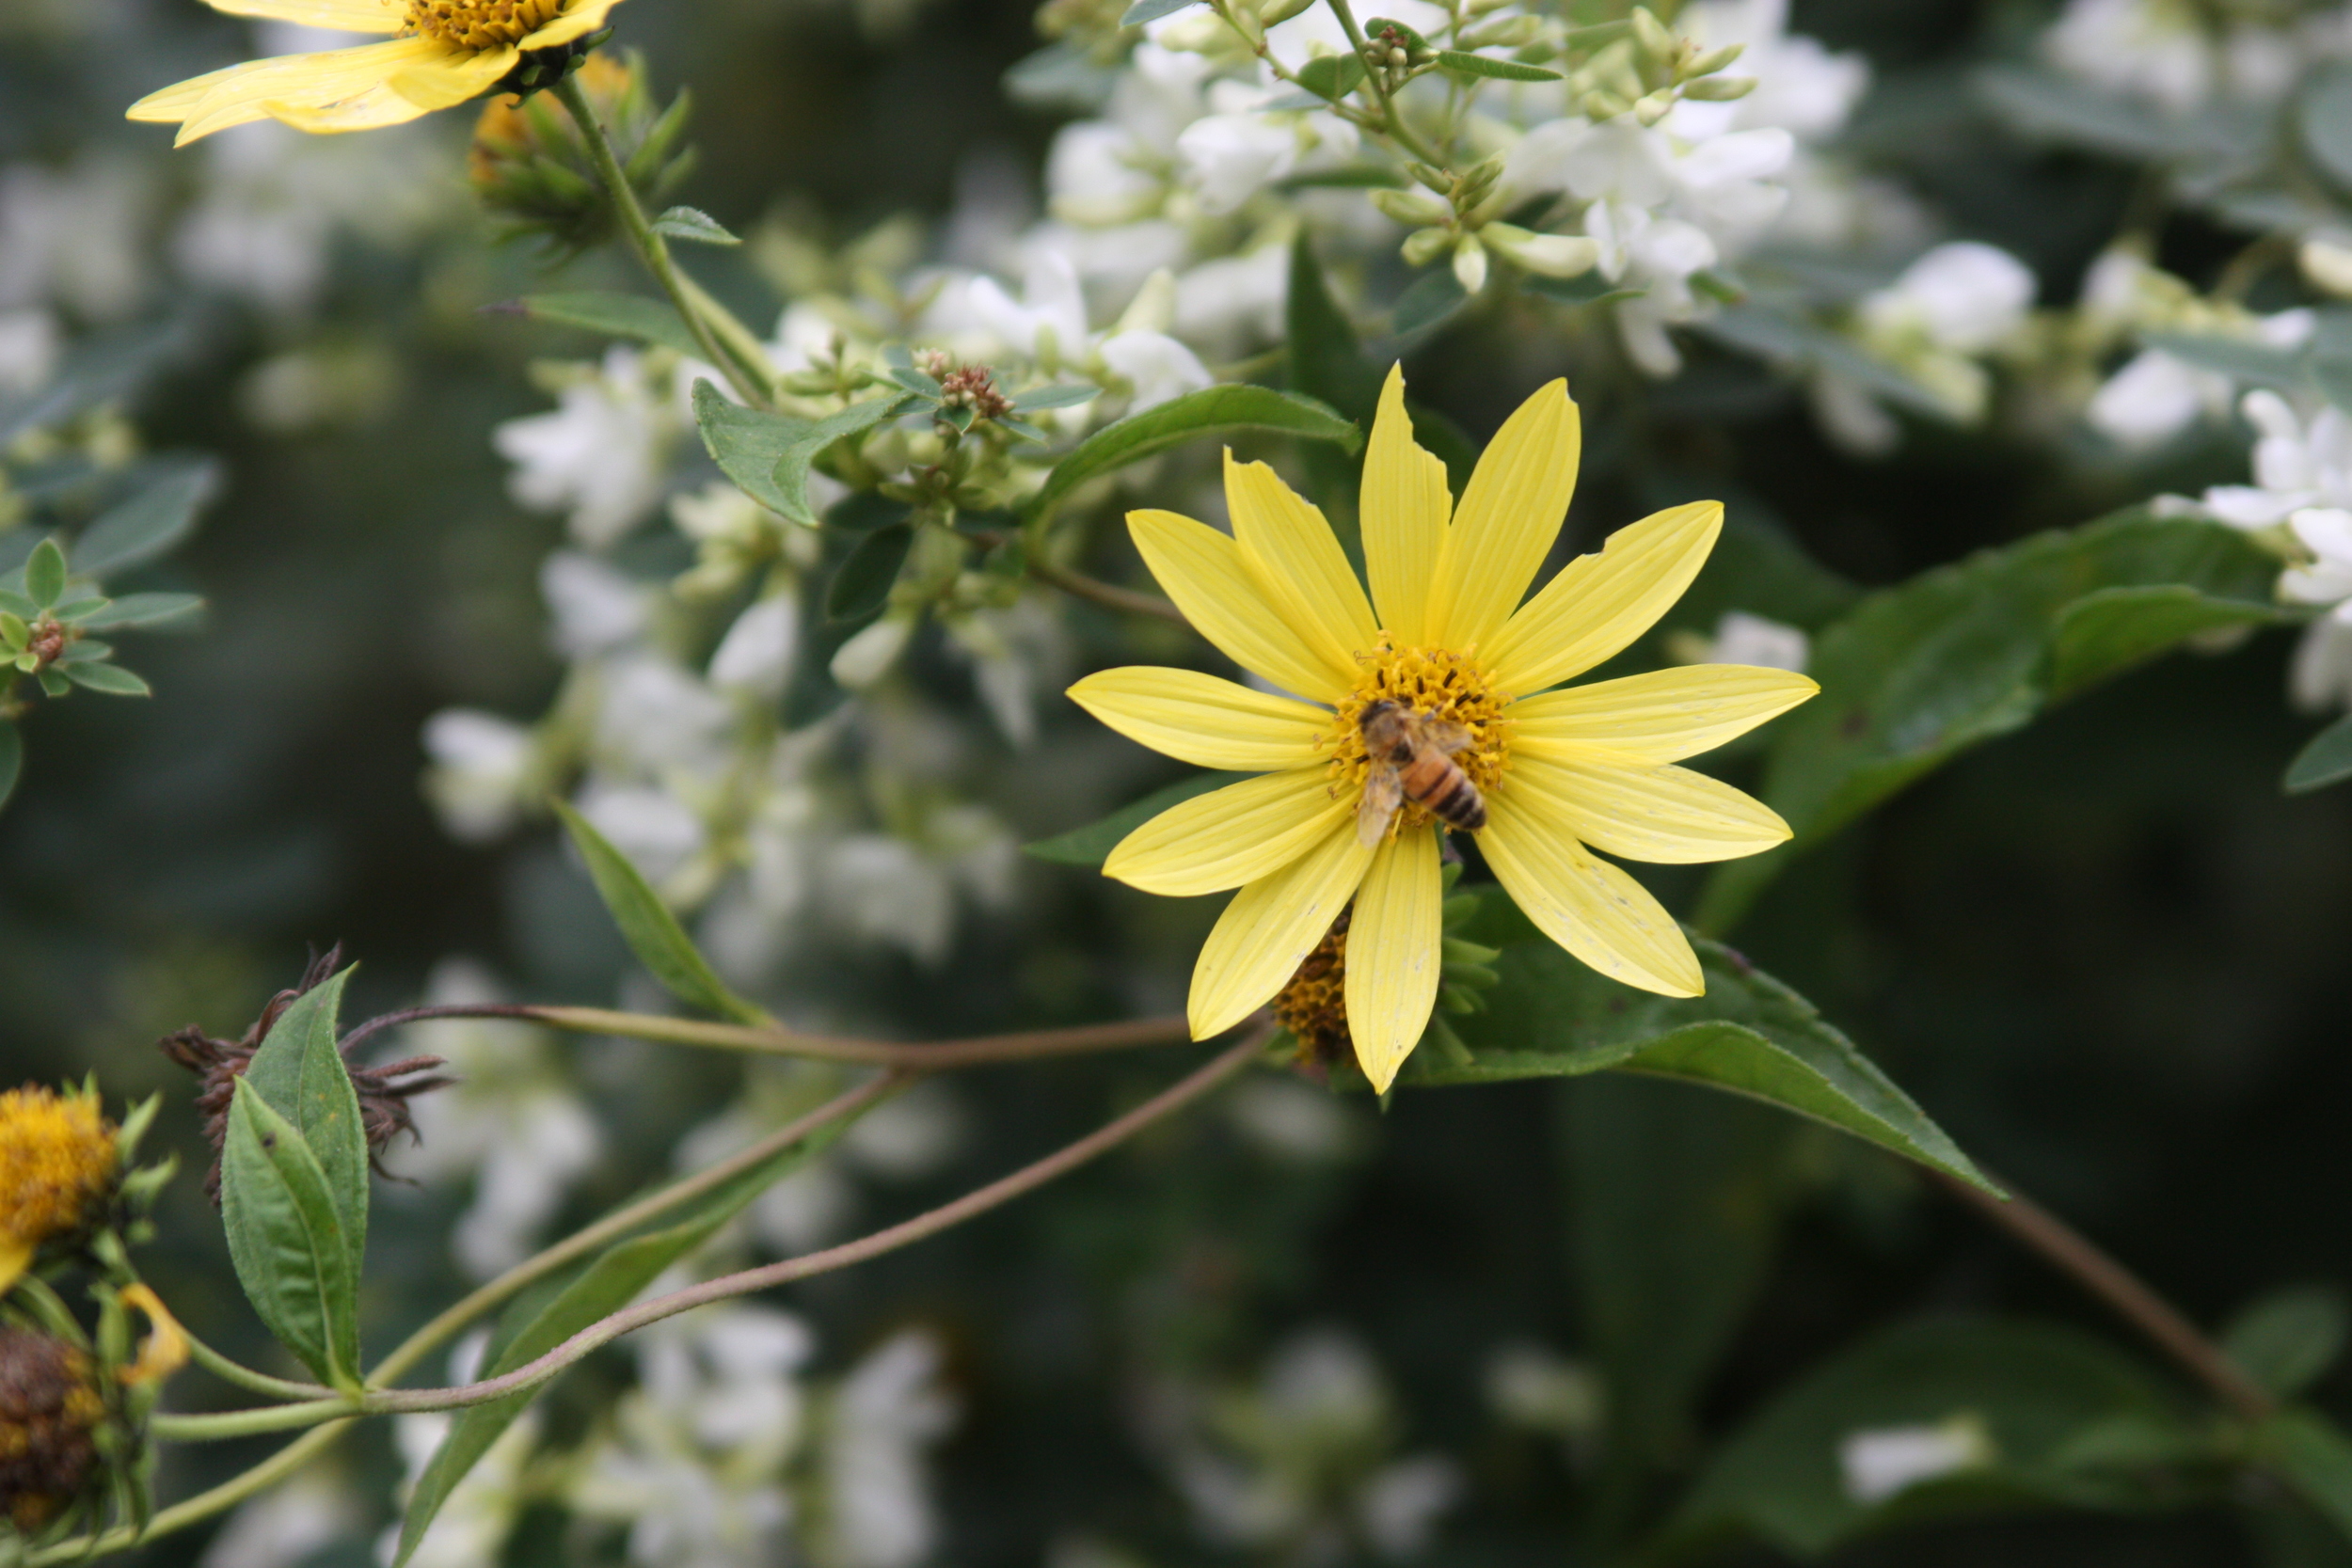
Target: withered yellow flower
x=1443 y=632
x=56 y=1165
x=438 y=53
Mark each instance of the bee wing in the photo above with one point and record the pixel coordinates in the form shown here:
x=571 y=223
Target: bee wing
x=1383 y=793
x=1447 y=737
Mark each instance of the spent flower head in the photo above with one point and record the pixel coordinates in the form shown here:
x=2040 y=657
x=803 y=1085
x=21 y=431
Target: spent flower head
x=51 y=1409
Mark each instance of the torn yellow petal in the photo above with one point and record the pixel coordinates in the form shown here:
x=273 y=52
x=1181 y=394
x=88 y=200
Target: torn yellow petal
x=350 y=16
x=1298 y=566
x=1205 y=720
x=166 y=1350
x=1393 y=942
x=16 y=1256
x=1593 y=909
x=258 y=88
x=1662 y=813
x=1662 y=716
x=1229 y=836
x=1202 y=570
x=1511 y=512
x=583 y=18
x=1268 y=929
x=1404 y=507
x=1599 y=604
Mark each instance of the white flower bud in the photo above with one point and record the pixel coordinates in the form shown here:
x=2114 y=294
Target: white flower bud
x=1551 y=255
x=1413 y=209
x=2326 y=263
x=1423 y=246
x=1719 y=90
x=1653 y=38
x=1470 y=263
x=868 y=657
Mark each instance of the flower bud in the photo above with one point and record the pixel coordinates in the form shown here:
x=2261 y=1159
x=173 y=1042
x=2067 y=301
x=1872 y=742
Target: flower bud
x=1424 y=246
x=59 y=1165
x=529 y=164
x=50 y=1411
x=1549 y=255
x=1275 y=11
x=1719 y=90
x=1508 y=33
x=1715 y=59
x=1600 y=104
x=1436 y=179
x=868 y=657
x=1652 y=107
x=1653 y=38
x=1470 y=263
x=1413 y=209
x=2326 y=263
x=1482 y=174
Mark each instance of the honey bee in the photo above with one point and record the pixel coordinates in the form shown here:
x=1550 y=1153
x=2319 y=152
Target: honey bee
x=1412 y=759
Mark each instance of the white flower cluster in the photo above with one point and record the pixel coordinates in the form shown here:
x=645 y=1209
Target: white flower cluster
x=2177 y=55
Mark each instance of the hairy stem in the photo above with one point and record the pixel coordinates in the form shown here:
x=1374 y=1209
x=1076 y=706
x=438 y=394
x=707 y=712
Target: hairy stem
x=2075 y=1256
x=650 y=247
x=243 y=1376
x=920 y=1058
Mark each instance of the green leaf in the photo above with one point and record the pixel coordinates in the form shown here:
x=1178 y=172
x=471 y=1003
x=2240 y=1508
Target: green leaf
x=2054 y=1416
x=1037 y=398
x=285 y=1241
x=2311 y=1453
x=768 y=455
x=1782 y=337
x=651 y=931
x=1325 y=358
x=112 y=679
x=1553 y=1016
x=633 y=316
x=1151 y=11
x=603 y=1287
x=44 y=574
x=1211 y=411
x=2324 y=115
x=1379 y=24
x=2326 y=760
x=1587 y=288
x=695 y=226
x=11 y=758
x=300 y=1071
x=96 y=372
x=2284 y=1341
x=151 y=523
x=2236 y=358
x=2047 y=107
x=1331 y=76
x=1462 y=63
x=142 y=610
x=862 y=584
x=1432 y=300
x=1093 y=843
x=1919 y=672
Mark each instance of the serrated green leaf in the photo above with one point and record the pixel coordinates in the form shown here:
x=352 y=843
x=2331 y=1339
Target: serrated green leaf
x=695 y=226
x=142 y=610
x=150 y=524
x=1553 y=1016
x=285 y=1241
x=607 y=1284
x=1462 y=63
x=768 y=455
x=635 y=317
x=2285 y=1340
x=1211 y=411
x=1093 y=843
x=1331 y=76
x=651 y=931
x=112 y=679
x=2325 y=760
x=860 y=585
x=44 y=574
x=300 y=1071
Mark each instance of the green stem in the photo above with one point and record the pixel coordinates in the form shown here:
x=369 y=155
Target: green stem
x=1388 y=111
x=651 y=248
x=732 y=335
x=195 y=1510
x=169 y=1428
x=243 y=1376
x=931 y=1057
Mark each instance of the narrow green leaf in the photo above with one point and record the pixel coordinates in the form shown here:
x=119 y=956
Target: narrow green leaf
x=633 y=316
x=1589 y=287
x=1093 y=843
x=44 y=574
x=1331 y=76
x=1462 y=63
x=300 y=1071
x=1211 y=411
x=862 y=584
x=1151 y=11
x=142 y=610
x=89 y=650
x=1432 y=301
x=285 y=1241
x=151 y=523
x=651 y=931
x=1037 y=398
x=2236 y=358
x=695 y=226
x=112 y=679
x=2326 y=760
x=77 y=612
x=11 y=758
x=2314 y=1457
x=603 y=1287
x=768 y=455
x=2285 y=1340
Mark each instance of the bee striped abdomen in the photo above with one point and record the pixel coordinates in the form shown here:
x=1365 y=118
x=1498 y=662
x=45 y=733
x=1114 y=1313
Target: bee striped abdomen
x=1433 y=780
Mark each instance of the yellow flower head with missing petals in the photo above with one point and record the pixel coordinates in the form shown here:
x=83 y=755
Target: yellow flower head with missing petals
x=440 y=53
x=1565 y=772
x=56 y=1165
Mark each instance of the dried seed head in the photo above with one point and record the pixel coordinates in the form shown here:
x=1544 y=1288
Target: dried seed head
x=50 y=1408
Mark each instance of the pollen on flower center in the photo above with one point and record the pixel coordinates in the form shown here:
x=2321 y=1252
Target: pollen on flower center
x=1313 y=1006
x=480 y=26
x=56 y=1164
x=1436 y=682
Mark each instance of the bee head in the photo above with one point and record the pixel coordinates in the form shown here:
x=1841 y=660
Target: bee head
x=1377 y=712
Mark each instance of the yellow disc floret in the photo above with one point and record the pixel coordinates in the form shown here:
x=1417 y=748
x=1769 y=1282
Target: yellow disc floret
x=57 y=1165
x=1313 y=1006
x=1436 y=684
x=480 y=24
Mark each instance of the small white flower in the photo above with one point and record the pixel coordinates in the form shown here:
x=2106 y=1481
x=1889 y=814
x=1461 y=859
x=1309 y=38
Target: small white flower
x=755 y=656
x=868 y=657
x=601 y=453
x=2320 y=677
x=2295 y=465
x=654 y=829
x=1048 y=323
x=2153 y=398
x=1531 y=1386
x=1963 y=296
x=2326 y=532
x=1155 y=365
x=30 y=344
x=482 y=767
x=886 y=1414
x=1400 y=1505
x=1229 y=158
x=1744 y=639
x=1882 y=1462
x=2152 y=49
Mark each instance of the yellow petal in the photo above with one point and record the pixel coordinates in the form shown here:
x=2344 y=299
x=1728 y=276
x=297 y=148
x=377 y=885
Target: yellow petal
x=450 y=79
x=1268 y=929
x=1662 y=716
x=1392 y=954
x=1599 y=604
x=16 y=1256
x=1298 y=566
x=1510 y=514
x=258 y=89
x=1655 y=813
x=1203 y=720
x=1229 y=836
x=350 y=16
x=166 y=1350
x=1586 y=905
x=584 y=17
x=1403 y=505
x=1202 y=570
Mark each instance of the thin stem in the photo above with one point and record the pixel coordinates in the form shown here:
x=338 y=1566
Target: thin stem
x=1388 y=111
x=923 y=1058
x=237 y=1373
x=212 y=1427
x=650 y=247
x=1106 y=594
x=732 y=334
x=195 y=1510
x=2165 y=1324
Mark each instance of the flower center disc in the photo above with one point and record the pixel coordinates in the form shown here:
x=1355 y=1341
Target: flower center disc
x=1435 y=683
x=480 y=26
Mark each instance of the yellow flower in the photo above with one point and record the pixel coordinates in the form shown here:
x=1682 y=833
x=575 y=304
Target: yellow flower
x=57 y=1165
x=1443 y=632
x=440 y=53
